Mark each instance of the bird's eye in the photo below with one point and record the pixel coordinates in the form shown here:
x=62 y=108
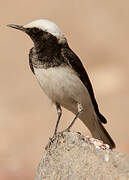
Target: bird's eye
x=35 y=30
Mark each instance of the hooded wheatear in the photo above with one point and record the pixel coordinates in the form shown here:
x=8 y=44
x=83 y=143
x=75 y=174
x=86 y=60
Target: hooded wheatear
x=62 y=76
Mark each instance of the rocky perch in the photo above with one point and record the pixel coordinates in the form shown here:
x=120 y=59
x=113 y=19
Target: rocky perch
x=72 y=156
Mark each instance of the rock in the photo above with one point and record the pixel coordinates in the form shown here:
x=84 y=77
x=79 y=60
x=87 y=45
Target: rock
x=71 y=156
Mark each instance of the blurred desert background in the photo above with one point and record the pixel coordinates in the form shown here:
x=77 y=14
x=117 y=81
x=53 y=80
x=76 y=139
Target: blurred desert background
x=98 y=31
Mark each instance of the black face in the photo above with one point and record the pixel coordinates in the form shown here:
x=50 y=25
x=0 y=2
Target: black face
x=35 y=33
x=41 y=38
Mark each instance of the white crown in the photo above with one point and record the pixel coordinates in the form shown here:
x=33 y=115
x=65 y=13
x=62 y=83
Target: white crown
x=49 y=27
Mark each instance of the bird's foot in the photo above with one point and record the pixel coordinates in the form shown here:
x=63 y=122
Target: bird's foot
x=55 y=137
x=65 y=130
x=51 y=139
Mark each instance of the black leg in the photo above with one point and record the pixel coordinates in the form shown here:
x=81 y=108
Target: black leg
x=59 y=112
x=80 y=110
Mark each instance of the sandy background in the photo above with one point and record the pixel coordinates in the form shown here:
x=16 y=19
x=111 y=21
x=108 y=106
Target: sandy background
x=98 y=31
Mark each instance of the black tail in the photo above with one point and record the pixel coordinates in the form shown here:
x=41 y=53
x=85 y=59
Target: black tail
x=101 y=133
x=102 y=118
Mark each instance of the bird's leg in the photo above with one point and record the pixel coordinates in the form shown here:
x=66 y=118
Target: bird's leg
x=59 y=112
x=80 y=110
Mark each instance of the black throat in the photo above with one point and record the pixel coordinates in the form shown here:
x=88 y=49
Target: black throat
x=47 y=44
x=46 y=52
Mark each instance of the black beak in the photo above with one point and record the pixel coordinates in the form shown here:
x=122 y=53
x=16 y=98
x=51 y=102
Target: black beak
x=21 y=28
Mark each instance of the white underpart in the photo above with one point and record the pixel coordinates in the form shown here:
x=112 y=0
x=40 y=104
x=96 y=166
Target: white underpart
x=47 y=26
x=62 y=85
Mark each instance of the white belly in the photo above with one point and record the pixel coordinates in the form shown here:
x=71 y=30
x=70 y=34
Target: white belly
x=62 y=85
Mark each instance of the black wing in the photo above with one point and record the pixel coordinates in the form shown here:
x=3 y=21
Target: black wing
x=76 y=64
x=30 y=61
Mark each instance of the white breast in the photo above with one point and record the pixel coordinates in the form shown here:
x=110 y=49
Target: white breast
x=62 y=85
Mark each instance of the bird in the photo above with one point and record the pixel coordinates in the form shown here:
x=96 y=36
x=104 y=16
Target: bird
x=63 y=78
